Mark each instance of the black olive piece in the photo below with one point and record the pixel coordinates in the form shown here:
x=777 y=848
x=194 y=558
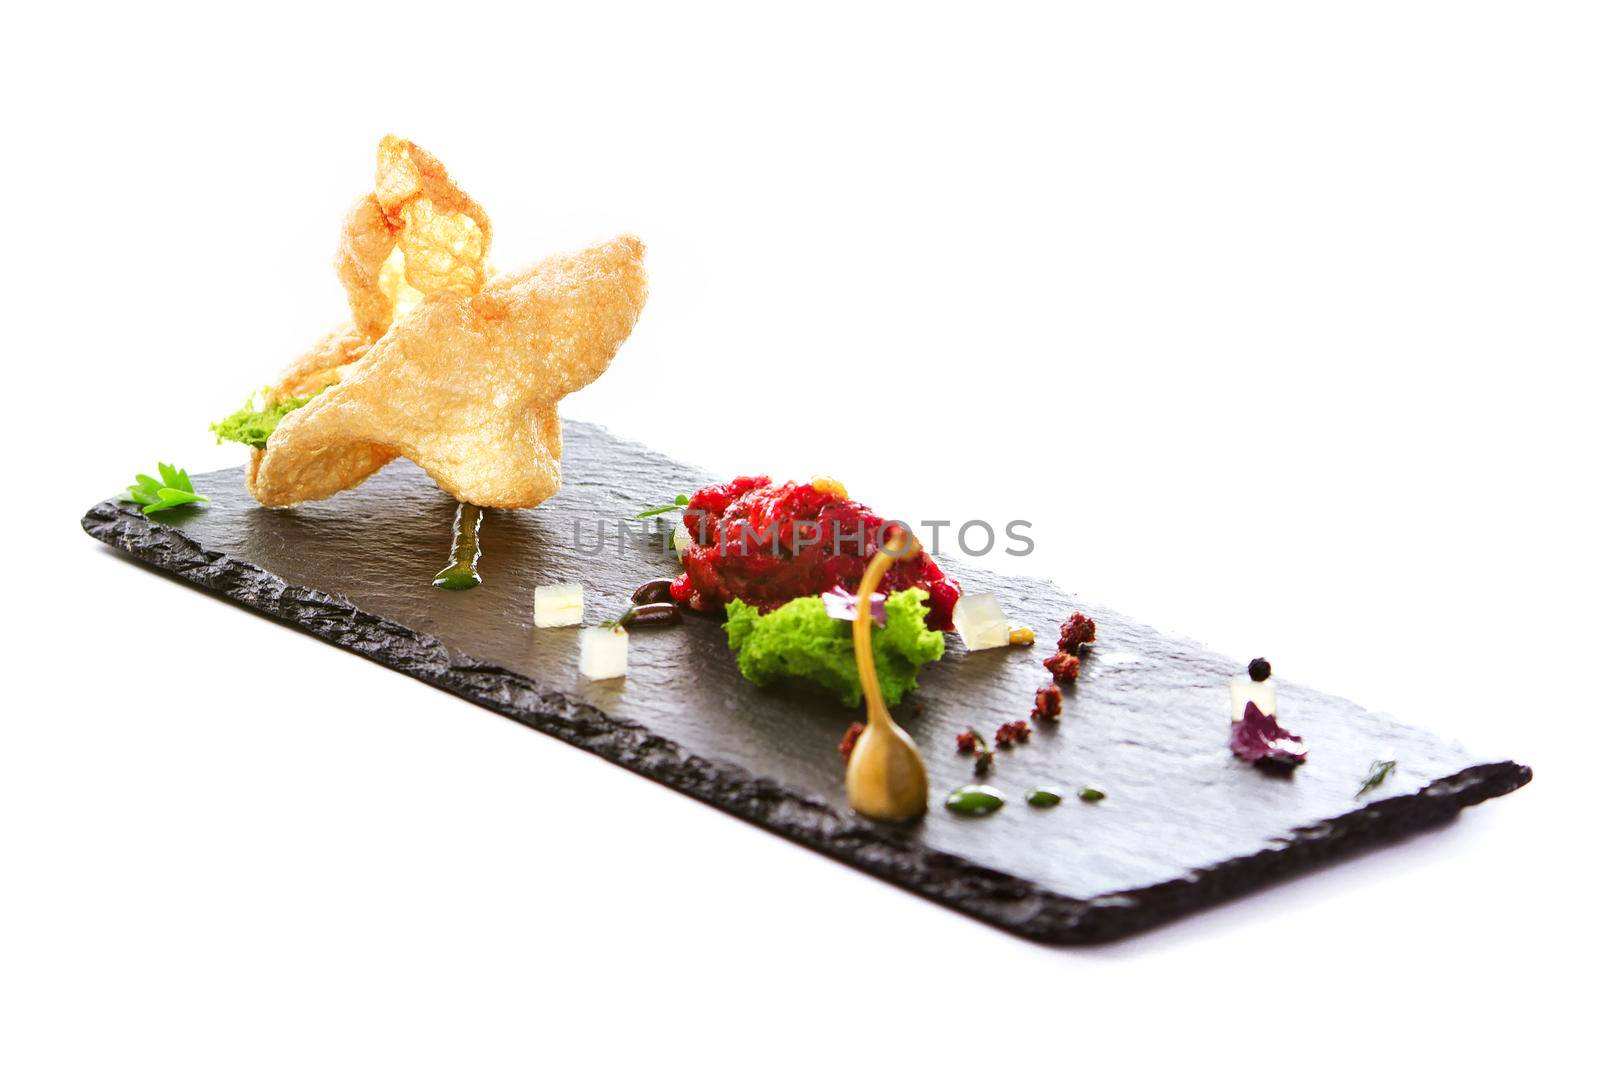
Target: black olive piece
x=655 y=615
x=656 y=592
x=1260 y=670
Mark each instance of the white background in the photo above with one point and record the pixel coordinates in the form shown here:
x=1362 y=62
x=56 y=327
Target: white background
x=1277 y=320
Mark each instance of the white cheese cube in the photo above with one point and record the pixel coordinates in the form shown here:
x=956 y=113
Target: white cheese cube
x=558 y=605
x=1264 y=695
x=603 y=653
x=981 y=622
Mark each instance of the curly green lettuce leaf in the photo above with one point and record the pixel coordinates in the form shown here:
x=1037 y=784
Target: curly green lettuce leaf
x=801 y=640
x=251 y=425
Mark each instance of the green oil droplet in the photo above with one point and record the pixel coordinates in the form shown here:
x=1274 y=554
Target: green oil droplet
x=975 y=800
x=1044 y=797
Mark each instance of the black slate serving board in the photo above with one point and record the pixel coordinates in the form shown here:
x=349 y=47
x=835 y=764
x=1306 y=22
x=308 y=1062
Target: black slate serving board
x=1184 y=823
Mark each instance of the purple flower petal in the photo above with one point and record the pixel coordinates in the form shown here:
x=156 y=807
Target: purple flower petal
x=1258 y=737
x=840 y=603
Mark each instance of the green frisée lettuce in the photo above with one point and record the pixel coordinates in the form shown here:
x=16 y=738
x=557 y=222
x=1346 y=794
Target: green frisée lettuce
x=801 y=640
x=252 y=425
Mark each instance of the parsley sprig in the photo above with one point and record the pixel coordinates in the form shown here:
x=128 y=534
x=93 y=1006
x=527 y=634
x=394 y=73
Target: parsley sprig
x=678 y=504
x=174 y=490
x=1380 y=770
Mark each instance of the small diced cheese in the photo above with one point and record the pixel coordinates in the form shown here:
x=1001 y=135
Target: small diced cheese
x=603 y=653
x=558 y=605
x=1264 y=695
x=981 y=622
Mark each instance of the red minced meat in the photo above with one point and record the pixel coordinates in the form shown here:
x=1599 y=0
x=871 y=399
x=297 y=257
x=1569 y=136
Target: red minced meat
x=731 y=555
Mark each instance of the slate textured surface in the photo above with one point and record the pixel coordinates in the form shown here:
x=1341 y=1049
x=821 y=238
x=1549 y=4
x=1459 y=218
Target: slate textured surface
x=1184 y=823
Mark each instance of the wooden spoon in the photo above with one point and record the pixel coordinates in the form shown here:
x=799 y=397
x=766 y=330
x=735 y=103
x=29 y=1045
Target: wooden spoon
x=885 y=778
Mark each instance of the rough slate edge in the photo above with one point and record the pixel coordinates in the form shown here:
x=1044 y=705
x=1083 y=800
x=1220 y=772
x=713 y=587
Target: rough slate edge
x=1009 y=902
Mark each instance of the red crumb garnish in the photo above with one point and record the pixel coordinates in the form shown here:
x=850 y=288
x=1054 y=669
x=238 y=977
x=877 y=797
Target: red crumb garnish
x=1012 y=731
x=966 y=741
x=1064 y=665
x=847 y=743
x=1076 y=632
x=1047 y=702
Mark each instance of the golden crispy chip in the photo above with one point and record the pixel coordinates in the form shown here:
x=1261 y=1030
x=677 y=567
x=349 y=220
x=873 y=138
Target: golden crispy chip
x=466 y=386
x=460 y=377
x=444 y=234
x=416 y=233
x=364 y=246
x=319 y=368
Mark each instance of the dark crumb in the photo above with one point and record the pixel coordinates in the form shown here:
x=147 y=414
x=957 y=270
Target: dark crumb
x=847 y=743
x=1047 y=702
x=984 y=762
x=1064 y=666
x=1012 y=731
x=966 y=741
x=1260 y=670
x=914 y=707
x=1076 y=632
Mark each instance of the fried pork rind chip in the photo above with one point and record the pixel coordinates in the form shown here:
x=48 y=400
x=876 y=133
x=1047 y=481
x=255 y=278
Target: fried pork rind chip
x=319 y=368
x=364 y=247
x=466 y=386
x=416 y=233
x=459 y=376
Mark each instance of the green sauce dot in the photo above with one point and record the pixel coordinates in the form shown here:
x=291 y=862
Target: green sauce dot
x=1044 y=797
x=975 y=800
x=456 y=576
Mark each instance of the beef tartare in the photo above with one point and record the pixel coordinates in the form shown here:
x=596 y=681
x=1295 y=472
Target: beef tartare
x=767 y=544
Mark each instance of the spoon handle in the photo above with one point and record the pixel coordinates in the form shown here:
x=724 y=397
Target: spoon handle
x=861 y=627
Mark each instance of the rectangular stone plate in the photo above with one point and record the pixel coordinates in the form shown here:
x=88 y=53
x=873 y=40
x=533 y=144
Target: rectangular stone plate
x=1184 y=824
